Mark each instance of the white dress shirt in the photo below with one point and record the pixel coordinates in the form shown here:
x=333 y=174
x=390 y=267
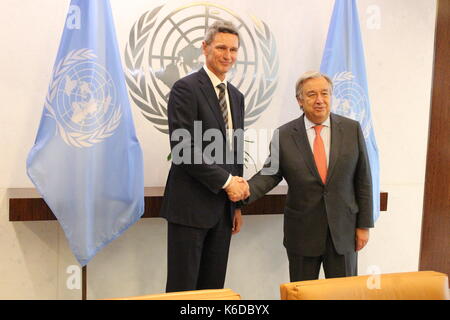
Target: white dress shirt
x=215 y=82
x=325 y=133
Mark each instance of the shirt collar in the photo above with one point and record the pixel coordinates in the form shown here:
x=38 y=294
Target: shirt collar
x=214 y=79
x=309 y=124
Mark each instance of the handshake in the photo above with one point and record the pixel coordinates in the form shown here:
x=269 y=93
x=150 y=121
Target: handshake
x=238 y=189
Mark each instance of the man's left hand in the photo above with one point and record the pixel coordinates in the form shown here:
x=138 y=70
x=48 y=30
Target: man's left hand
x=237 y=221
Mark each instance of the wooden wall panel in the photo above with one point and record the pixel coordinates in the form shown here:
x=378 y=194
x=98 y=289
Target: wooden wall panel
x=26 y=205
x=435 y=241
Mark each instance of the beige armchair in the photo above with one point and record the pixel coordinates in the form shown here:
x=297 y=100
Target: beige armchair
x=422 y=285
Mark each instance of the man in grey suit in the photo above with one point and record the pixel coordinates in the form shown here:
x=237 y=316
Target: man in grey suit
x=328 y=210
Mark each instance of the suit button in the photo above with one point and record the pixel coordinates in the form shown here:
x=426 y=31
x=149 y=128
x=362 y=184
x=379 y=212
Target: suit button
x=325 y=193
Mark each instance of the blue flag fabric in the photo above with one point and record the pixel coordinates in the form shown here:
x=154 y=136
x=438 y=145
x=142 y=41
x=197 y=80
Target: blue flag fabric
x=343 y=62
x=86 y=161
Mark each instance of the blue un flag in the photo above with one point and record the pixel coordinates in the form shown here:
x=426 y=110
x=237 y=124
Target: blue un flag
x=86 y=161
x=343 y=61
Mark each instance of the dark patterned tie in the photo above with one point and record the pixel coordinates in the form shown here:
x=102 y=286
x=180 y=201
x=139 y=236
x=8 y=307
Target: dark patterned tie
x=223 y=103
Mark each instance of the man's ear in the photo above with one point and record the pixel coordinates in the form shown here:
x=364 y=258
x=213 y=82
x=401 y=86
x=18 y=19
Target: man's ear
x=204 y=47
x=300 y=103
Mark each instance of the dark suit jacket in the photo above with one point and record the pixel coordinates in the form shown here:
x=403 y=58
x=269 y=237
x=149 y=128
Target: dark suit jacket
x=342 y=204
x=193 y=195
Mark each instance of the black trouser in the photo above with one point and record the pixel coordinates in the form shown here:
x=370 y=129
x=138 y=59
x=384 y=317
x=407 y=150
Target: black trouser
x=335 y=265
x=197 y=258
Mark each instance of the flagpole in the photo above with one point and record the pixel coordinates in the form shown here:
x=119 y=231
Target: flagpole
x=84 y=283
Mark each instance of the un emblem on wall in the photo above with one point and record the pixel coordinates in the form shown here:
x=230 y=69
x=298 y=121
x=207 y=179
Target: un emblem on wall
x=163 y=49
x=82 y=100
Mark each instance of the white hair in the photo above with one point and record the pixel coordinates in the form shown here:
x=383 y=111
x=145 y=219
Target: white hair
x=220 y=26
x=305 y=77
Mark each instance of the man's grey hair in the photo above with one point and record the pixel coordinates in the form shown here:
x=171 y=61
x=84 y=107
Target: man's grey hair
x=307 y=76
x=220 y=26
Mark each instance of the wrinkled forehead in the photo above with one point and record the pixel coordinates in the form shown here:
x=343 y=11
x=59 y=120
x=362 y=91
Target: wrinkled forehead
x=229 y=39
x=316 y=85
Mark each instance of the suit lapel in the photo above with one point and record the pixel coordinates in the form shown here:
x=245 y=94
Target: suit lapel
x=301 y=139
x=335 y=148
x=234 y=106
x=211 y=96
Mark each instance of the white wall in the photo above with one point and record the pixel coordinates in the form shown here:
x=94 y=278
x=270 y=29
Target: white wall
x=35 y=255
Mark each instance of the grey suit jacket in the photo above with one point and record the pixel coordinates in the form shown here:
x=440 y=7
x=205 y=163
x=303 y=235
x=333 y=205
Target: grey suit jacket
x=343 y=204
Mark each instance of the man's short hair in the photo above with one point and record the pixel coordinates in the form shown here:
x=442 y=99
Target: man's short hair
x=305 y=77
x=220 y=26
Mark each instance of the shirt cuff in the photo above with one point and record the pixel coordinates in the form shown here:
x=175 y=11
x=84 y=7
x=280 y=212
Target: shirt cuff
x=227 y=182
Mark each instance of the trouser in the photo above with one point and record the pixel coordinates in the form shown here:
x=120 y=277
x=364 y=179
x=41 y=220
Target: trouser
x=335 y=265
x=197 y=258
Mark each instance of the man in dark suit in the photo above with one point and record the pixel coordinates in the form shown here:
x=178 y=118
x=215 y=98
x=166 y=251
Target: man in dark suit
x=328 y=209
x=203 y=110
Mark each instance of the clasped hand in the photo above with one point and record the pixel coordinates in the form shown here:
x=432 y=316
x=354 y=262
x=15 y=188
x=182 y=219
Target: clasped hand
x=238 y=189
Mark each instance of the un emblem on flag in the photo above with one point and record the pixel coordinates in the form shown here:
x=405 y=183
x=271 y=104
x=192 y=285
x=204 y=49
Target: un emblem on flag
x=82 y=100
x=350 y=100
x=164 y=47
